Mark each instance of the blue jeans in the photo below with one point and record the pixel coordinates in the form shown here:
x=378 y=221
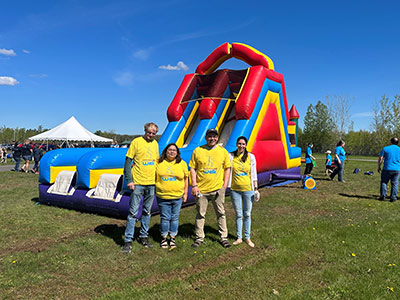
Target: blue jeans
x=242 y=204
x=393 y=176
x=147 y=191
x=338 y=170
x=169 y=216
x=17 y=162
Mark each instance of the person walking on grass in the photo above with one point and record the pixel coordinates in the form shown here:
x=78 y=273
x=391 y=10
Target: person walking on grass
x=16 y=152
x=210 y=170
x=309 y=159
x=172 y=181
x=3 y=155
x=340 y=156
x=390 y=156
x=26 y=154
x=244 y=188
x=37 y=155
x=328 y=162
x=140 y=174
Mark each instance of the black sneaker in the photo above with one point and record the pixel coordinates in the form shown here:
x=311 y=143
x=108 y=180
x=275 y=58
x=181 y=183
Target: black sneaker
x=127 y=247
x=393 y=199
x=145 y=242
x=381 y=198
x=197 y=243
x=225 y=244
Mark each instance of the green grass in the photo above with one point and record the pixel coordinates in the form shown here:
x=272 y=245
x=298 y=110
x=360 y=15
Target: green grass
x=335 y=242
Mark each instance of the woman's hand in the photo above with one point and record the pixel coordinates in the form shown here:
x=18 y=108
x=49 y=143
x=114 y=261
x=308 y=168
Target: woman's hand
x=256 y=196
x=184 y=198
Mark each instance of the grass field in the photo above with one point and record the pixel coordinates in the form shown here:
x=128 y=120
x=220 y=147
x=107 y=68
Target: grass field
x=335 y=242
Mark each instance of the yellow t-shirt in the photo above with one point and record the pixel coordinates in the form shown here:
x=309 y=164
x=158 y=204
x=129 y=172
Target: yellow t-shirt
x=144 y=155
x=210 y=165
x=241 y=178
x=170 y=179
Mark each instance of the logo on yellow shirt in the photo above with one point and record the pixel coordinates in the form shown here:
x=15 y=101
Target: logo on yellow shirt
x=209 y=168
x=240 y=171
x=148 y=161
x=170 y=176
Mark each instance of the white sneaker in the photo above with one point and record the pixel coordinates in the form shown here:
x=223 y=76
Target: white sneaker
x=237 y=242
x=250 y=243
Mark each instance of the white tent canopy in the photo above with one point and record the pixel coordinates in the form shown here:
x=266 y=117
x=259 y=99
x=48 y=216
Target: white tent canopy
x=70 y=130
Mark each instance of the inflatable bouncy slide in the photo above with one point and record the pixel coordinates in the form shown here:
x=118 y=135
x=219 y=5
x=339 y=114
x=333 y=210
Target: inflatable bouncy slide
x=250 y=103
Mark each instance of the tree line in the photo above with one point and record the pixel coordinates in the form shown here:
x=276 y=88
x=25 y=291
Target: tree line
x=9 y=135
x=327 y=123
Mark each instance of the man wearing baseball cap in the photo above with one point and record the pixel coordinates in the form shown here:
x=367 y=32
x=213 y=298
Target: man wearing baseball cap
x=210 y=170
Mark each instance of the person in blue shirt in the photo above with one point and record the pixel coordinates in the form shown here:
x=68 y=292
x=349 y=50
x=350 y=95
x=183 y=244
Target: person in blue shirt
x=328 y=162
x=340 y=156
x=390 y=155
x=309 y=159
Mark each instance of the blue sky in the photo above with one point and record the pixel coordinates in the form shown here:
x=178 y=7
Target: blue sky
x=115 y=65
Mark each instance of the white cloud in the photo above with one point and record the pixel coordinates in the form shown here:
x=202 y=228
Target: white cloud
x=123 y=78
x=142 y=54
x=7 y=52
x=366 y=114
x=26 y=51
x=5 y=80
x=179 y=66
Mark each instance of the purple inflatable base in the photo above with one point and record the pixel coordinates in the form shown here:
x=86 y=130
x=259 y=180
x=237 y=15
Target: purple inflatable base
x=78 y=201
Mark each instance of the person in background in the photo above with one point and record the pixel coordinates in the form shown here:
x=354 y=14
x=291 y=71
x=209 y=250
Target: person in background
x=328 y=162
x=390 y=156
x=244 y=188
x=309 y=159
x=340 y=156
x=140 y=175
x=26 y=154
x=114 y=144
x=16 y=155
x=210 y=168
x=172 y=181
x=3 y=155
x=37 y=155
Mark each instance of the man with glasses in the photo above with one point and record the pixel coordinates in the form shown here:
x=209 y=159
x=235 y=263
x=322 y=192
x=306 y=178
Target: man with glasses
x=210 y=170
x=140 y=173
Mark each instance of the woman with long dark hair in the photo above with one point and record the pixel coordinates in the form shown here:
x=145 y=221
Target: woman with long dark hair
x=244 y=188
x=172 y=181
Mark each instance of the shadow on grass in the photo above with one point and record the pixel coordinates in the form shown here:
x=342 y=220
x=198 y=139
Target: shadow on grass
x=35 y=199
x=116 y=232
x=371 y=197
x=112 y=231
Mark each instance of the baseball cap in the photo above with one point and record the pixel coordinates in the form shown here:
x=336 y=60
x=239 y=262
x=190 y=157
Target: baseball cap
x=328 y=152
x=211 y=131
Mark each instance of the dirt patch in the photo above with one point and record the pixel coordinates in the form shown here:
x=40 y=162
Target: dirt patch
x=43 y=244
x=238 y=254
x=306 y=264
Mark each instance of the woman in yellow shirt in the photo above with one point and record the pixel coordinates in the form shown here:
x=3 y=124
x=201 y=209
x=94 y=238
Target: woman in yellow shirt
x=244 y=188
x=172 y=180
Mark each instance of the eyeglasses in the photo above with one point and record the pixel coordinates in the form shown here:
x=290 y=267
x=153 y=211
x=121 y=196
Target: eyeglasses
x=172 y=150
x=151 y=133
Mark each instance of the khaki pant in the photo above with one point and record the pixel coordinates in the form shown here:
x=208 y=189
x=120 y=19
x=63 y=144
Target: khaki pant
x=218 y=200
